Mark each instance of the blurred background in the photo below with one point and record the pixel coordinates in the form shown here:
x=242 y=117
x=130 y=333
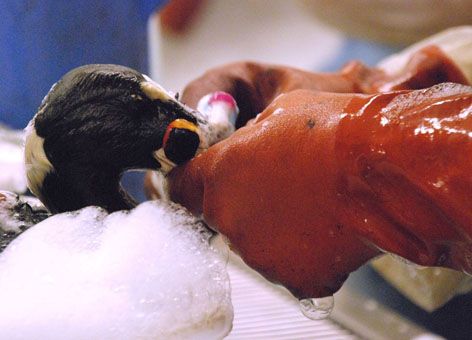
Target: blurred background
x=175 y=41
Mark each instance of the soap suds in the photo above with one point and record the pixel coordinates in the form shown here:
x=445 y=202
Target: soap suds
x=149 y=273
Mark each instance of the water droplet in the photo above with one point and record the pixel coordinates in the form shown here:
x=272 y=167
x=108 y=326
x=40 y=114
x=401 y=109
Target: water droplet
x=384 y=121
x=317 y=308
x=278 y=111
x=439 y=183
x=381 y=151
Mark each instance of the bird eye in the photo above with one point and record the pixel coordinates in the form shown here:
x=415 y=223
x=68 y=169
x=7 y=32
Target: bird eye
x=181 y=141
x=177 y=96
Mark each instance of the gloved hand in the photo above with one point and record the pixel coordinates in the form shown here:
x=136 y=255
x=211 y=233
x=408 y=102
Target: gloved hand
x=319 y=183
x=254 y=85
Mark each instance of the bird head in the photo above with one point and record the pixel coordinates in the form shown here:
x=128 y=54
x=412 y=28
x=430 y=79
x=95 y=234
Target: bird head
x=104 y=119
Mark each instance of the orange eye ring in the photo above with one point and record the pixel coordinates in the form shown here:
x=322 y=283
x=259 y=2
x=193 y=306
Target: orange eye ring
x=178 y=124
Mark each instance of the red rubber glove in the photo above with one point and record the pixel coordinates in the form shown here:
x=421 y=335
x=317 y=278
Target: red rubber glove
x=314 y=186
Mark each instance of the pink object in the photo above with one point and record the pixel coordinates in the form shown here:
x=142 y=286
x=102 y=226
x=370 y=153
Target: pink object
x=221 y=96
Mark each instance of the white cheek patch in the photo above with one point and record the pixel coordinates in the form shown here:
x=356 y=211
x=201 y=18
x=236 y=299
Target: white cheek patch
x=36 y=161
x=166 y=164
x=159 y=182
x=154 y=91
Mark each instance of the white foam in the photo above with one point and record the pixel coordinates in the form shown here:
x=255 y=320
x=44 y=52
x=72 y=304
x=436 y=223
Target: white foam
x=149 y=273
x=8 y=216
x=12 y=169
x=406 y=101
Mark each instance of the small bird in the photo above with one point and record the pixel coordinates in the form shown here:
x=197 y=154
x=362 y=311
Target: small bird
x=101 y=120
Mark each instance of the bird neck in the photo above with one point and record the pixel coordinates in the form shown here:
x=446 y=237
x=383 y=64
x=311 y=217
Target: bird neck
x=73 y=189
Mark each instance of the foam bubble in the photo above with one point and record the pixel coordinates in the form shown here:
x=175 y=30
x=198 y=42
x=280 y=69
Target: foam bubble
x=409 y=100
x=18 y=214
x=149 y=273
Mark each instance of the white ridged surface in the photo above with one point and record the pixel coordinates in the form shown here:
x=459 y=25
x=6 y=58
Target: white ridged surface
x=265 y=311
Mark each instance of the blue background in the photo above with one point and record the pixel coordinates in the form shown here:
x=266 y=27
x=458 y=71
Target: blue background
x=40 y=40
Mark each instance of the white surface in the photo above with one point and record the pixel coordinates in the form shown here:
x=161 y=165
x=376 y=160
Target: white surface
x=265 y=311
x=456 y=42
x=12 y=169
x=274 y=31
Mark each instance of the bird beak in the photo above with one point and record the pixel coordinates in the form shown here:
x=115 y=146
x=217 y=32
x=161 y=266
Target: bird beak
x=155 y=91
x=182 y=138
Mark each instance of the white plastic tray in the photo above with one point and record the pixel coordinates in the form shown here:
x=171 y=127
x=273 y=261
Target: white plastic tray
x=266 y=311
